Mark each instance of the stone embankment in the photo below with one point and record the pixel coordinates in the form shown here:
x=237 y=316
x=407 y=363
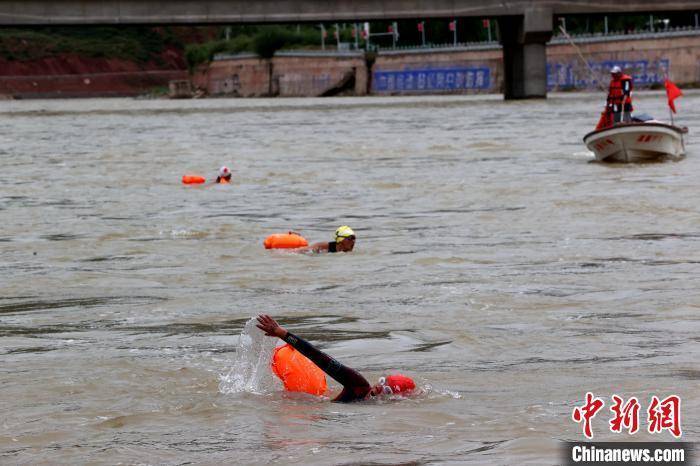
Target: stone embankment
x=452 y=70
x=287 y=74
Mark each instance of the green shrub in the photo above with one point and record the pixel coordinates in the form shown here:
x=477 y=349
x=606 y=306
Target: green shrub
x=269 y=40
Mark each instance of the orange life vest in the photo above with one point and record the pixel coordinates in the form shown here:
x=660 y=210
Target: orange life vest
x=621 y=89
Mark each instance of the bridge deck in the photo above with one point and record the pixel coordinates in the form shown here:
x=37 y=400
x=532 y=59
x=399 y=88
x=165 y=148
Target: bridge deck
x=38 y=12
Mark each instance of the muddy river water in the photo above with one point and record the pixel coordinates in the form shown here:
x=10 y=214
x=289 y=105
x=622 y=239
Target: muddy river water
x=495 y=264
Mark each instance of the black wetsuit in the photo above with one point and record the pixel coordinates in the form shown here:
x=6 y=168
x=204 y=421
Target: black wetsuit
x=355 y=387
x=332 y=246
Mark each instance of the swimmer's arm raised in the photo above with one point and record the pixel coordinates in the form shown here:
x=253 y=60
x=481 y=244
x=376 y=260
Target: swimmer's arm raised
x=345 y=376
x=271 y=328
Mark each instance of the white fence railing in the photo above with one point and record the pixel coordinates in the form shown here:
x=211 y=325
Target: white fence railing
x=556 y=39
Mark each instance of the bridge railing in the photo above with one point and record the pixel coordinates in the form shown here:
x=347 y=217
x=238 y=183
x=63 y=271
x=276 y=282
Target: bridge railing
x=680 y=31
x=441 y=47
x=556 y=39
x=294 y=53
x=486 y=45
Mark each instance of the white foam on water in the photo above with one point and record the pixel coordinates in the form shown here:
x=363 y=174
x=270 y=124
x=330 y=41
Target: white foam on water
x=251 y=368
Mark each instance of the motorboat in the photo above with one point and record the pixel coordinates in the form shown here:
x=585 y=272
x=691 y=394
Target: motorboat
x=637 y=141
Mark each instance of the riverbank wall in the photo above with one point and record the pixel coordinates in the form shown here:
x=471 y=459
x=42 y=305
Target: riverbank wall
x=287 y=74
x=648 y=58
x=465 y=69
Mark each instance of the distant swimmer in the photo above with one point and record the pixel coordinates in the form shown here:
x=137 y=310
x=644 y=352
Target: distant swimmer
x=344 y=242
x=224 y=176
x=355 y=386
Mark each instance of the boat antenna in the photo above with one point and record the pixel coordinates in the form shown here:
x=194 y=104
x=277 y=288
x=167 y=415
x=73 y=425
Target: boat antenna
x=580 y=55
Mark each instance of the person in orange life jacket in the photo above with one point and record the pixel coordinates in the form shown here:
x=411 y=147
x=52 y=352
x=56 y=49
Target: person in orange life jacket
x=224 y=176
x=355 y=386
x=619 y=103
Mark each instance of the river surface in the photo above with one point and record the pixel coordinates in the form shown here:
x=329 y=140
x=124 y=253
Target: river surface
x=495 y=263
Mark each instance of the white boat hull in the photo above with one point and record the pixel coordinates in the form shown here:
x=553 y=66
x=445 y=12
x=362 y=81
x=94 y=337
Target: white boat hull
x=636 y=142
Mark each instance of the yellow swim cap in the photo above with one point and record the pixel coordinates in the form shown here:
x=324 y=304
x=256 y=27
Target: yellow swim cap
x=343 y=232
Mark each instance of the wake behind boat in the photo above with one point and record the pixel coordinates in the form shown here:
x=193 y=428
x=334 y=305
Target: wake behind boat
x=637 y=141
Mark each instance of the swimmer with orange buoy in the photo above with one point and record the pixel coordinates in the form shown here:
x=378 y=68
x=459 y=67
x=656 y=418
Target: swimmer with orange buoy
x=344 y=242
x=355 y=386
x=224 y=177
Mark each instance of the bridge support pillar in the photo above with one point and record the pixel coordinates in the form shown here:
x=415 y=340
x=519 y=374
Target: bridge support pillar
x=524 y=53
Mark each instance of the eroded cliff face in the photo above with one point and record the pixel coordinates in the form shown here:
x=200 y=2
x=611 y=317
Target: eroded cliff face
x=86 y=63
x=69 y=75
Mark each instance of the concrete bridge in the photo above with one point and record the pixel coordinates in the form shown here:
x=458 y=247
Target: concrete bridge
x=524 y=26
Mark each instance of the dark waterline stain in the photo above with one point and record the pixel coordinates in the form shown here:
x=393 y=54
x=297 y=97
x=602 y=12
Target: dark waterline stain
x=428 y=346
x=688 y=374
x=108 y=259
x=33 y=349
x=490 y=366
x=374 y=463
x=61 y=237
x=42 y=305
x=330 y=107
x=36 y=331
x=611 y=315
x=308 y=326
x=655 y=236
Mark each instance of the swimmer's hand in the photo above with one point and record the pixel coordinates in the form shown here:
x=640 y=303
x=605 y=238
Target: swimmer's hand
x=271 y=328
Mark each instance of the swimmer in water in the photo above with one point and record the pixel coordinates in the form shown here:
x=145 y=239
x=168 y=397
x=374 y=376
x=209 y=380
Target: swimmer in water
x=224 y=176
x=344 y=242
x=355 y=386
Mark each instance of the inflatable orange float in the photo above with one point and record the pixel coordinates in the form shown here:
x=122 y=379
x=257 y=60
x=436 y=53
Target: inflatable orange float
x=193 y=179
x=297 y=372
x=285 y=241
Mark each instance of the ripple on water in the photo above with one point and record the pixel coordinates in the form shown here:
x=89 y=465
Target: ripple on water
x=37 y=305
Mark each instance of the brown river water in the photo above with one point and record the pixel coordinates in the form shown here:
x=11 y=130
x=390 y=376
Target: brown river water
x=495 y=263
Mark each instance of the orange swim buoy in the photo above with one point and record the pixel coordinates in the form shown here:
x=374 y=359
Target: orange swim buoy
x=297 y=372
x=193 y=179
x=285 y=241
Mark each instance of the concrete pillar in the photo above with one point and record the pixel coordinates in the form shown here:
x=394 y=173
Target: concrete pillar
x=524 y=53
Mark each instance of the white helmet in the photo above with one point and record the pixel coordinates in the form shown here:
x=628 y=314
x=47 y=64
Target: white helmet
x=615 y=70
x=224 y=172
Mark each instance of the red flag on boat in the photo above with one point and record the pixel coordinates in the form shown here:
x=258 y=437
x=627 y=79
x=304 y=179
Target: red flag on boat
x=604 y=121
x=672 y=92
